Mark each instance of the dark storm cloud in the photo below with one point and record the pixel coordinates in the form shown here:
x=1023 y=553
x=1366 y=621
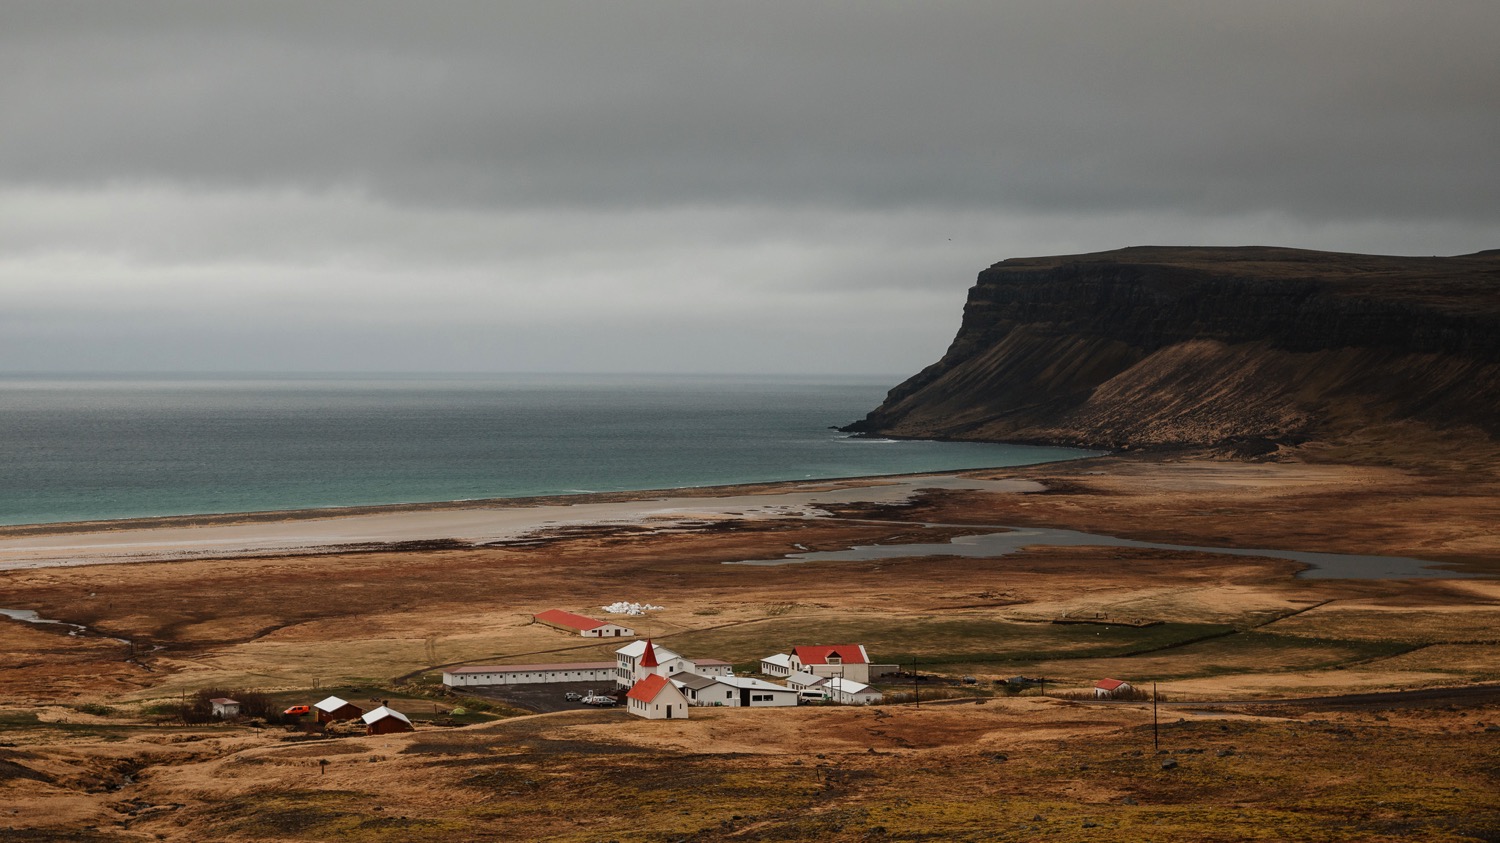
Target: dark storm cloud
x=1326 y=109
x=757 y=186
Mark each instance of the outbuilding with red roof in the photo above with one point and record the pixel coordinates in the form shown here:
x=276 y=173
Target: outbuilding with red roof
x=1106 y=689
x=580 y=625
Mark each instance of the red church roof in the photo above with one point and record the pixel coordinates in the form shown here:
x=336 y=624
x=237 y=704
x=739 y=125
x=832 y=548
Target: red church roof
x=647 y=689
x=847 y=653
x=1109 y=684
x=568 y=619
x=648 y=658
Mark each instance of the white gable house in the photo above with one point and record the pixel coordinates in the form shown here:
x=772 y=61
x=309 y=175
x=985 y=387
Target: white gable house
x=733 y=691
x=639 y=659
x=849 y=692
x=777 y=665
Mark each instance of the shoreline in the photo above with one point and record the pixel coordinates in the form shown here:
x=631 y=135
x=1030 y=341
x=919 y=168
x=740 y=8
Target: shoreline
x=44 y=528
x=474 y=523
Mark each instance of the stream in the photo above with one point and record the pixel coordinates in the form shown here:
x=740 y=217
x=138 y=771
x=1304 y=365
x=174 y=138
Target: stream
x=29 y=616
x=988 y=545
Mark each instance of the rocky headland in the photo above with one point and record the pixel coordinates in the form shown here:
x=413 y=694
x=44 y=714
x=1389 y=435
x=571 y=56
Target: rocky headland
x=1249 y=348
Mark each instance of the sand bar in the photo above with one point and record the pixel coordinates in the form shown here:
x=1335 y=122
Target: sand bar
x=482 y=523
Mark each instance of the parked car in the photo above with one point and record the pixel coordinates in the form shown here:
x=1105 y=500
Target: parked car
x=970 y=680
x=298 y=710
x=599 y=699
x=572 y=696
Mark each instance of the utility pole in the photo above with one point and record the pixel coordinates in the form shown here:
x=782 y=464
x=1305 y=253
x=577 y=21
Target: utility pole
x=1155 y=724
x=916 y=689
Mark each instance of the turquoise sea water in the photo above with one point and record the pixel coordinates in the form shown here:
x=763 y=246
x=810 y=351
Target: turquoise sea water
x=81 y=448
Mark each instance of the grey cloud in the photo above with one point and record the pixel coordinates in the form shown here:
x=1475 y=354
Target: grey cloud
x=1350 y=107
x=675 y=186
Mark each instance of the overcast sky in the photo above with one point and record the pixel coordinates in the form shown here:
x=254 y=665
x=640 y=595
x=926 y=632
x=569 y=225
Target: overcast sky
x=686 y=187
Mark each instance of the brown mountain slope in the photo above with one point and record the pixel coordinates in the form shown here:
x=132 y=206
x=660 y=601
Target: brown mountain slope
x=1155 y=346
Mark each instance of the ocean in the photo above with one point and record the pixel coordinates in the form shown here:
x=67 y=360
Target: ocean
x=87 y=448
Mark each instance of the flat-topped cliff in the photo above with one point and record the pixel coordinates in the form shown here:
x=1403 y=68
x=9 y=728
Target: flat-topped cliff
x=1154 y=346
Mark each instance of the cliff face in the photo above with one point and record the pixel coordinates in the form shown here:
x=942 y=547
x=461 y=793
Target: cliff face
x=1201 y=346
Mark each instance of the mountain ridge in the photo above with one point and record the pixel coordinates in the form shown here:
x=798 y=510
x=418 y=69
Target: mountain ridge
x=1154 y=346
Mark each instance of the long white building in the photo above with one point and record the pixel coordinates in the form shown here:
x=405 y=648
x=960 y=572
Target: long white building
x=526 y=674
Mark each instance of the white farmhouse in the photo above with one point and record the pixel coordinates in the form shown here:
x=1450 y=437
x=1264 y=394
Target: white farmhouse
x=639 y=659
x=224 y=707
x=656 y=698
x=849 y=692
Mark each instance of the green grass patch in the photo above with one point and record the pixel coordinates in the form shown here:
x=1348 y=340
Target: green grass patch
x=19 y=719
x=938 y=642
x=1258 y=652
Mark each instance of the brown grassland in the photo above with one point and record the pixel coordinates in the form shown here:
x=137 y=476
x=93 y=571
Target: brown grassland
x=1258 y=738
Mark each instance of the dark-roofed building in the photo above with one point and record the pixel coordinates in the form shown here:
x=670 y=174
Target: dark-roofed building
x=697 y=688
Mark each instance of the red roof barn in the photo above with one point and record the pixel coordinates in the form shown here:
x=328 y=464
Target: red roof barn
x=580 y=625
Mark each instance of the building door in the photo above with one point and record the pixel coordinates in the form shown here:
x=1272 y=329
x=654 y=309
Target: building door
x=745 y=697
x=669 y=712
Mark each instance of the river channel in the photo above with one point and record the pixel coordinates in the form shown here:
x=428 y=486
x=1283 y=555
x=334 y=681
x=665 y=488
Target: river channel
x=1012 y=539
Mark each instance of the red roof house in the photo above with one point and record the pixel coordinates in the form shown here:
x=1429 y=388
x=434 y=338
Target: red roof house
x=849 y=661
x=656 y=698
x=1106 y=688
x=832 y=654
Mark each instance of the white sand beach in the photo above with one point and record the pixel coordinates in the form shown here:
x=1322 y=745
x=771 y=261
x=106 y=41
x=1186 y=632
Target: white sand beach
x=484 y=522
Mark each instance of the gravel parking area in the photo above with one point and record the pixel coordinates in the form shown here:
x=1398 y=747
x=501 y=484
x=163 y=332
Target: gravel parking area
x=541 y=697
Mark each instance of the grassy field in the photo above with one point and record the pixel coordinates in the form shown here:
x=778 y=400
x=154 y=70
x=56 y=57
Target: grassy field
x=855 y=775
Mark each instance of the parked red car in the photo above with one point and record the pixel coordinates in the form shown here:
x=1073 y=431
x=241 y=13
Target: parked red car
x=298 y=710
